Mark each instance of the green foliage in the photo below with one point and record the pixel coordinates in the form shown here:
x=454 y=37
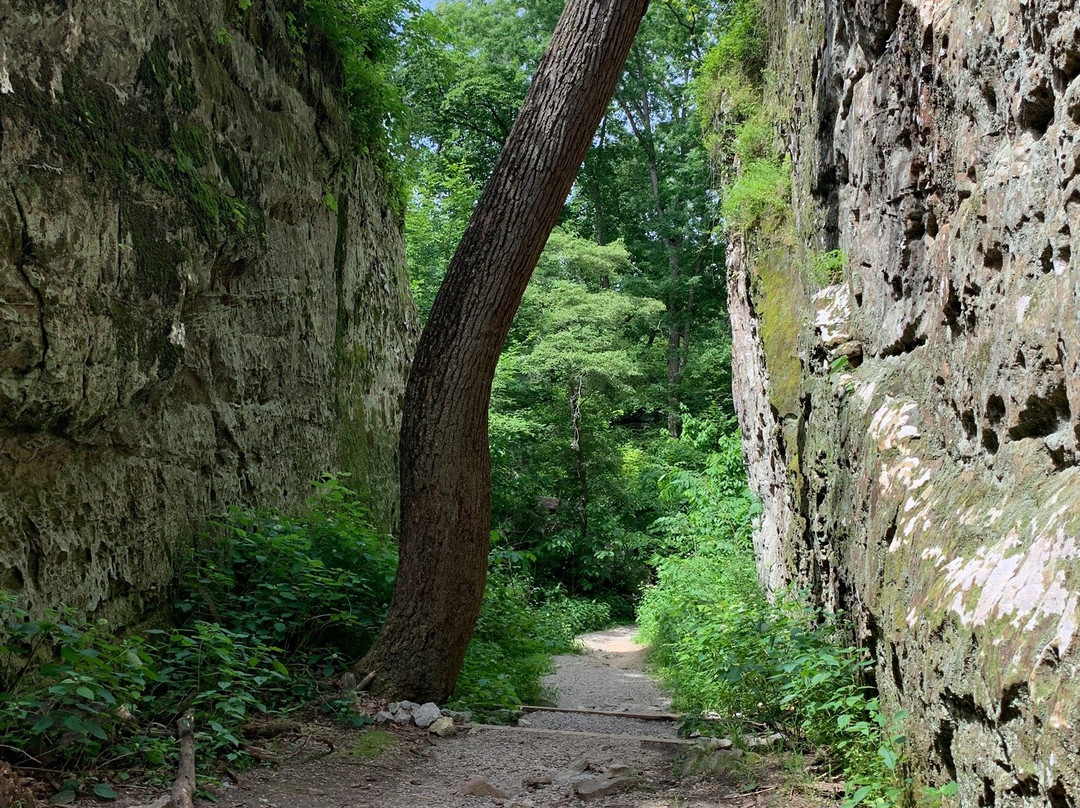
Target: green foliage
x=442 y=201
x=273 y=606
x=741 y=45
x=722 y=645
x=370 y=37
x=562 y=619
x=507 y=655
x=67 y=686
x=712 y=507
x=316 y=585
x=759 y=197
x=827 y=268
x=520 y=627
x=728 y=83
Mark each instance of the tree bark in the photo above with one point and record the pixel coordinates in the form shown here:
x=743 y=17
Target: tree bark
x=579 y=458
x=445 y=462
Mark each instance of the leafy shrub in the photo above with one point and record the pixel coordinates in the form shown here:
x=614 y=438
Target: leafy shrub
x=275 y=603
x=712 y=506
x=507 y=656
x=562 y=619
x=315 y=585
x=67 y=687
x=760 y=196
x=721 y=645
x=520 y=627
x=827 y=268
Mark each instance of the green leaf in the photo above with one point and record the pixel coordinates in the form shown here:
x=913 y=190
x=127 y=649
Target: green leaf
x=65 y=797
x=42 y=724
x=950 y=789
x=85 y=692
x=105 y=791
x=888 y=757
x=858 y=796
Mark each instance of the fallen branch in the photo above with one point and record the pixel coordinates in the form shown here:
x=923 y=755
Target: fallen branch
x=365 y=683
x=183 y=790
x=258 y=753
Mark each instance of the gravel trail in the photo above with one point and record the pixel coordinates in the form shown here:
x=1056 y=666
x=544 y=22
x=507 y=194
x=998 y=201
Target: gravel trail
x=528 y=767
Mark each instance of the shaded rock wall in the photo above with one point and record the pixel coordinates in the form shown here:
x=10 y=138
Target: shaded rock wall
x=929 y=481
x=202 y=290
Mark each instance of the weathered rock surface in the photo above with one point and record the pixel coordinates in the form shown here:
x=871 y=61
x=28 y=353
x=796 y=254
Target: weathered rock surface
x=202 y=293
x=443 y=727
x=426 y=714
x=479 y=787
x=930 y=486
x=929 y=483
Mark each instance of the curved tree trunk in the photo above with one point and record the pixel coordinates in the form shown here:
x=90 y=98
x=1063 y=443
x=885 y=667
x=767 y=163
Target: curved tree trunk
x=445 y=463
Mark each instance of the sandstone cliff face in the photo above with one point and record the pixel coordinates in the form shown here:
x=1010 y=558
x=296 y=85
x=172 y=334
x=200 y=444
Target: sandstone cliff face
x=914 y=429
x=202 y=289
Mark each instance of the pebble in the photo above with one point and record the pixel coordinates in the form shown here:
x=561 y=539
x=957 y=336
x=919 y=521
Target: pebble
x=479 y=787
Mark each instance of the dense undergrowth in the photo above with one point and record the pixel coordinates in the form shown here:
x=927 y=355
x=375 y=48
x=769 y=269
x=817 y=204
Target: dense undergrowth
x=272 y=608
x=722 y=645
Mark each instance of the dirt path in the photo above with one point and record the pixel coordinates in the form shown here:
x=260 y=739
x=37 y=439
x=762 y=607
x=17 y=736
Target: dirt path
x=543 y=765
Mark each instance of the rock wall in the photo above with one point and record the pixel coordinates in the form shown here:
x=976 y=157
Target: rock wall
x=202 y=290
x=913 y=429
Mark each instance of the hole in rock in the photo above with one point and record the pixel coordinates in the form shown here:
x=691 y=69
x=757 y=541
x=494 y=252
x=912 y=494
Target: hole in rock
x=1042 y=413
x=1037 y=109
x=943 y=739
x=1046 y=259
x=967 y=419
x=1058 y=797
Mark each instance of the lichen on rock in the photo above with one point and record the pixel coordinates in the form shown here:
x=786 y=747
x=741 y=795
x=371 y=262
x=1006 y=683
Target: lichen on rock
x=931 y=488
x=171 y=279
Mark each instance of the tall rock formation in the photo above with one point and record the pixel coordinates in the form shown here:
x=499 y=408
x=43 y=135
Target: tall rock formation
x=202 y=290
x=913 y=429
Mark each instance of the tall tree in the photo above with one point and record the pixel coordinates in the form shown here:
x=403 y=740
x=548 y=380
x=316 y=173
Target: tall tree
x=445 y=462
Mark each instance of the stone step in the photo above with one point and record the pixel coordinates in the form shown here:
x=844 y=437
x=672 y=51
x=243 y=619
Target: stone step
x=645 y=740
x=528 y=708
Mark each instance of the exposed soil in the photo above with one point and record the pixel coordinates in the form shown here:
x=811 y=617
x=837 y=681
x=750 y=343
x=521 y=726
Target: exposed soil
x=540 y=765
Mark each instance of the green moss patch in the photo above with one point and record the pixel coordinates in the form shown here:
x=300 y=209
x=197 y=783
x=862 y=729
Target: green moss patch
x=372 y=744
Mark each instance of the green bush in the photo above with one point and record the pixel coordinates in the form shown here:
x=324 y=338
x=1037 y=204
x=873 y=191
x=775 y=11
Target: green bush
x=275 y=604
x=827 y=268
x=315 y=585
x=68 y=688
x=721 y=645
x=759 y=197
x=562 y=619
x=508 y=655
